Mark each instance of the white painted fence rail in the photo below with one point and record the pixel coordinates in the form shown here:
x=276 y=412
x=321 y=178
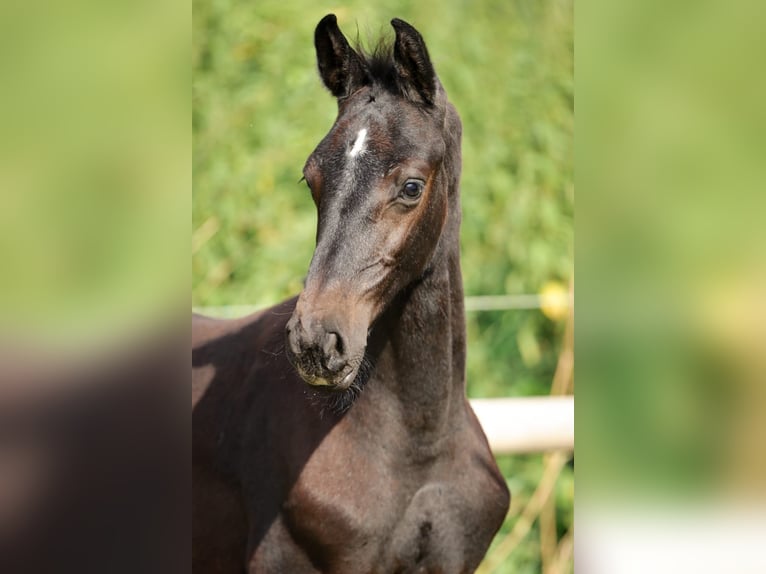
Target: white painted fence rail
x=528 y=424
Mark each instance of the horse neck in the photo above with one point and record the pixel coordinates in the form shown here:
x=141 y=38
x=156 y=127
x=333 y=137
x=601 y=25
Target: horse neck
x=422 y=339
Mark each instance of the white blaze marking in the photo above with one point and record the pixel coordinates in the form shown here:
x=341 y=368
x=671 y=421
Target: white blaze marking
x=359 y=143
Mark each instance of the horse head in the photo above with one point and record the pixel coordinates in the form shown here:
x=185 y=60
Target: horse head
x=380 y=183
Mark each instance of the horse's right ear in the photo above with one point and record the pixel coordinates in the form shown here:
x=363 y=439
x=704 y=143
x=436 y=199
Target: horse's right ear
x=339 y=65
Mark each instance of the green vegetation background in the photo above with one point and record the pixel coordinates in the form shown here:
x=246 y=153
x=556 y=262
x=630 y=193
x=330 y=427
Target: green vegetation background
x=259 y=109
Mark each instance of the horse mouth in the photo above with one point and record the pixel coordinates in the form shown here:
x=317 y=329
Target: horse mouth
x=339 y=383
x=338 y=397
x=349 y=379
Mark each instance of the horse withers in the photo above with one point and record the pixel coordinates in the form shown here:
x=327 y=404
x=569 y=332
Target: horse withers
x=331 y=433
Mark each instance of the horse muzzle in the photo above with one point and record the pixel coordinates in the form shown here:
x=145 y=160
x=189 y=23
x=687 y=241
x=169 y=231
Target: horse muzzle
x=324 y=351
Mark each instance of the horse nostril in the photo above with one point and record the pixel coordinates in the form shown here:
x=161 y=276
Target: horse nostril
x=333 y=352
x=331 y=344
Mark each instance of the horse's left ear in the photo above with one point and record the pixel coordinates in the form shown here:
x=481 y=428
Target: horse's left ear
x=416 y=73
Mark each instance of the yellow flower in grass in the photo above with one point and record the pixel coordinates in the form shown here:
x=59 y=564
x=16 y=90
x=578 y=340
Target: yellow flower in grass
x=554 y=300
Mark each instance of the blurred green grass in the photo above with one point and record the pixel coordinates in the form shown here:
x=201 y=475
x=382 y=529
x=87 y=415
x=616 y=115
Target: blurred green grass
x=259 y=109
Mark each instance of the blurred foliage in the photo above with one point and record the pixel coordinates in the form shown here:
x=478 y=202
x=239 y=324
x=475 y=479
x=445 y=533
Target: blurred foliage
x=259 y=109
x=671 y=250
x=94 y=166
x=671 y=283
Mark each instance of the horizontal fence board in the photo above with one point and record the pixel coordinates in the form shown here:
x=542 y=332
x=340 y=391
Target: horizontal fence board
x=527 y=424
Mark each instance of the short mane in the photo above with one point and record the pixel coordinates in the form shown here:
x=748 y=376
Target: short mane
x=378 y=63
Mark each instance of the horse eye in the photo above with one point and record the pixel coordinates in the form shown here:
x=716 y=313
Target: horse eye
x=412 y=190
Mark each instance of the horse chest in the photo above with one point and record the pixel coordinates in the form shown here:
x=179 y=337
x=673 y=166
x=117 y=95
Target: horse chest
x=383 y=522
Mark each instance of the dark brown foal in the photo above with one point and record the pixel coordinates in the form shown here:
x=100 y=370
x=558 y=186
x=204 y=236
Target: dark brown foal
x=332 y=433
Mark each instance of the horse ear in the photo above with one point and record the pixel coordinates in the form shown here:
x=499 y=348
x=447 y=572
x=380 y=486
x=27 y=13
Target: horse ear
x=412 y=62
x=340 y=67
